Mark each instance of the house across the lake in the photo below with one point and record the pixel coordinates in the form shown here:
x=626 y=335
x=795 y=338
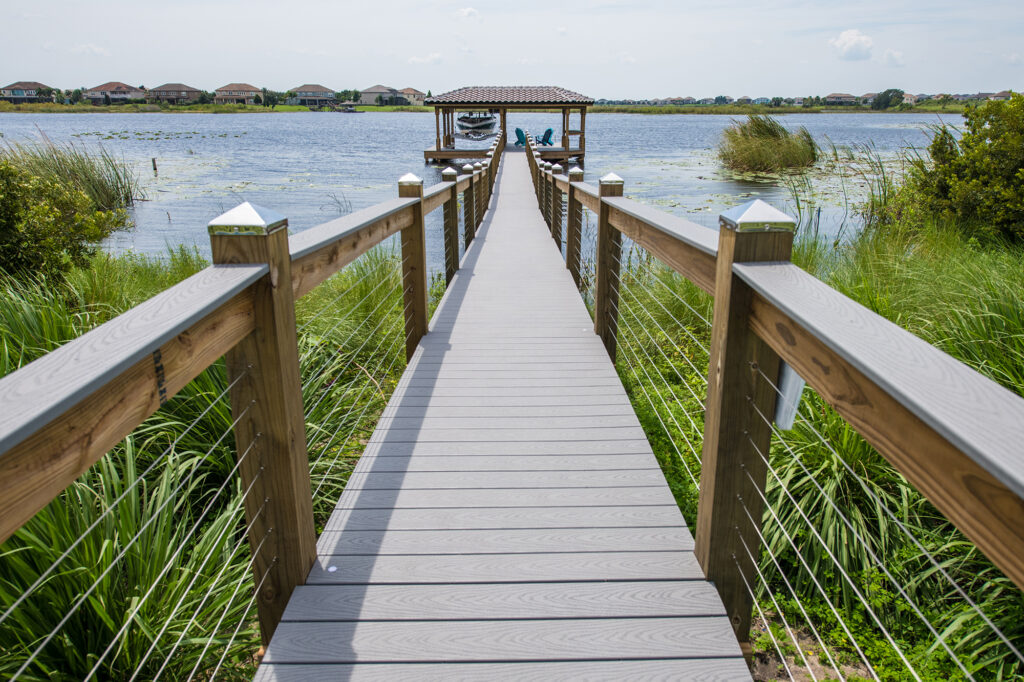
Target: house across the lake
x=840 y=98
x=413 y=96
x=175 y=93
x=114 y=92
x=383 y=95
x=25 y=91
x=236 y=93
x=312 y=95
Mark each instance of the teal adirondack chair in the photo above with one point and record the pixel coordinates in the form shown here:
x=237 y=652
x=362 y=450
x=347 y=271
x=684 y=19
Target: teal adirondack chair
x=520 y=138
x=546 y=138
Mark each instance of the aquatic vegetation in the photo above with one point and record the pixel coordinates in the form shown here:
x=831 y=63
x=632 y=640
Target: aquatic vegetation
x=762 y=144
x=109 y=182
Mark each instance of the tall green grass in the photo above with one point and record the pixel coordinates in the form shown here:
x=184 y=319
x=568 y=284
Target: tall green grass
x=179 y=600
x=763 y=145
x=108 y=181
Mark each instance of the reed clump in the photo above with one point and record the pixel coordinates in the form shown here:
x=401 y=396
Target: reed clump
x=763 y=145
x=109 y=182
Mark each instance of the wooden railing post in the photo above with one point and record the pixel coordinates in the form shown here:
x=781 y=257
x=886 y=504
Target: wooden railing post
x=609 y=251
x=735 y=436
x=546 y=193
x=468 y=207
x=480 y=183
x=266 y=401
x=414 y=267
x=556 y=207
x=536 y=176
x=450 y=211
x=574 y=227
x=491 y=166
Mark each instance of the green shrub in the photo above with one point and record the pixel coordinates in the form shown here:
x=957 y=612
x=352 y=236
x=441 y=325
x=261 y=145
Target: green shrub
x=47 y=226
x=763 y=145
x=978 y=180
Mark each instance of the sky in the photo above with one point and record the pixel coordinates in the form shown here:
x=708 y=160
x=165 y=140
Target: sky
x=614 y=49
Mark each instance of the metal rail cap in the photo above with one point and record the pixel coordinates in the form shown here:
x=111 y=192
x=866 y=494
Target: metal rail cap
x=611 y=179
x=449 y=174
x=410 y=179
x=247 y=219
x=756 y=216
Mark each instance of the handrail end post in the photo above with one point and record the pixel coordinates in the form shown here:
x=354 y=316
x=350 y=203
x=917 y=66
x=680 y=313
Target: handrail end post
x=414 y=266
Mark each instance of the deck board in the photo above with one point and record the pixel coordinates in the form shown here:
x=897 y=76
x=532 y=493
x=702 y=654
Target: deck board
x=508 y=519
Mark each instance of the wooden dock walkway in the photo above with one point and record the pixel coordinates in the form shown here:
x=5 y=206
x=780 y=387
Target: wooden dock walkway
x=508 y=519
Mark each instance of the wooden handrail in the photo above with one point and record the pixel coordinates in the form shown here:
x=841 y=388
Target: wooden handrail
x=62 y=412
x=955 y=434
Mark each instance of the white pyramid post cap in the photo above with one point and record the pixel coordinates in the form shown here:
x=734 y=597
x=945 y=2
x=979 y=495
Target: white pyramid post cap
x=248 y=219
x=611 y=179
x=468 y=168
x=576 y=174
x=489 y=154
x=478 y=165
x=557 y=168
x=756 y=216
x=410 y=179
x=449 y=173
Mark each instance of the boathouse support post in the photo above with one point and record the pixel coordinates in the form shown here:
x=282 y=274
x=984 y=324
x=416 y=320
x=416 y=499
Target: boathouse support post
x=565 y=133
x=266 y=404
x=736 y=438
x=450 y=211
x=468 y=212
x=574 y=227
x=556 y=207
x=414 y=266
x=437 y=127
x=609 y=251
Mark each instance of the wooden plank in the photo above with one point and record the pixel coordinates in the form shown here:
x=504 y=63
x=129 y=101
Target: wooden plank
x=493 y=463
x=498 y=434
x=504 y=541
x=953 y=433
x=485 y=480
x=488 y=390
x=318 y=603
x=498 y=422
x=321 y=251
x=616 y=409
x=588 y=196
x=599 y=399
x=515 y=497
x=686 y=247
x=508 y=448
x=707 y=670
x=505 y=517
x=64 y=411
x=504 y=568
x=530 y=640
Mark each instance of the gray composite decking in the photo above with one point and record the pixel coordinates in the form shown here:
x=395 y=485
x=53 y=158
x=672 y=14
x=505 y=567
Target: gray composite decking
x=508 y=519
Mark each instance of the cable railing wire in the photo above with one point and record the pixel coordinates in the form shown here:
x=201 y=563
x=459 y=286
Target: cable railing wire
x=757 y=607
x=892 y=516
x=84 y=597
x=131 y=486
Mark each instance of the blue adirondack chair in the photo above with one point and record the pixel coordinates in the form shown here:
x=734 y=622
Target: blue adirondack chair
x=546 y=138
x=520 y=138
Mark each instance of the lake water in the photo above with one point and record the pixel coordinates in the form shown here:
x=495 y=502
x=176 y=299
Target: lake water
x=315 y=166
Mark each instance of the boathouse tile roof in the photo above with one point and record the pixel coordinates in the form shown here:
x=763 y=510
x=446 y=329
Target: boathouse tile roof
x=510 y=94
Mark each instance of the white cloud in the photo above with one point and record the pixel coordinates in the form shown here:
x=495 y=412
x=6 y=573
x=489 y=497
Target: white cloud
x=893 y=58
x=852 y=45
x=562 y=30
x=627 y=58
x=91 y=48
x=467 y=13
x=1014 y=59
x=432 y=58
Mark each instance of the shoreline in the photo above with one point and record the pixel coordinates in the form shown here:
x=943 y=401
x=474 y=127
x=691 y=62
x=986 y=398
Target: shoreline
x=688 y=110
